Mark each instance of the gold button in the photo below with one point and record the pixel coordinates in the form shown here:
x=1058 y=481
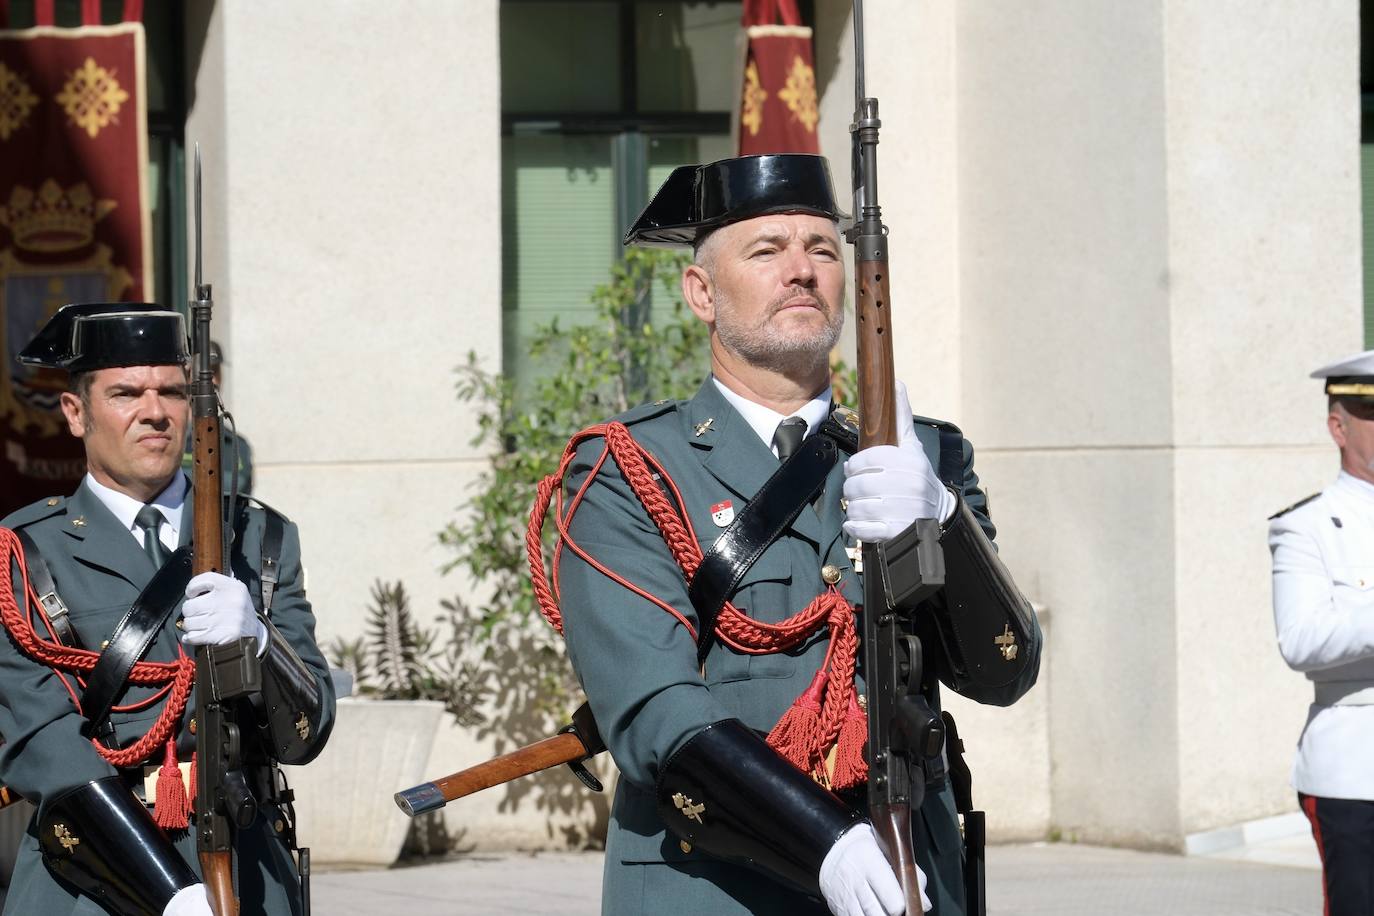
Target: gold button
x=685 y=846
x=104 y=644
x=279 y=826
x=181 y=623
x=191 y=726
x=830 y=573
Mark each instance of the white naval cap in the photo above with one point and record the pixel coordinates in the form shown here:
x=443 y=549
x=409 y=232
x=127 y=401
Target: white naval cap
x=1350 y=377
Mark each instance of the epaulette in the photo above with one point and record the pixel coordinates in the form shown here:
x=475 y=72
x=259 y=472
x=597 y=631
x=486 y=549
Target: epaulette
x=1298 y=504
x=246 y=500
x=36 y=512
x=938 y=424
x=647 y=411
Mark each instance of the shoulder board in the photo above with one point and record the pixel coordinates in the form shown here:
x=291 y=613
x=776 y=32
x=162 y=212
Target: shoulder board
x=1299 y=503
x=938 y=424
x=648 y=411
x=247 y=502
x=36 y=512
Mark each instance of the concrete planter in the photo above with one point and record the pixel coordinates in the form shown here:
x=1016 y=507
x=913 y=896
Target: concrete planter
x=343 y=798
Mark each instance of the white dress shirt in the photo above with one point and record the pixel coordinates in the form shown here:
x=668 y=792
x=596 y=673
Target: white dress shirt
x=1324 y=613
x=170 y=502
x=765 y=420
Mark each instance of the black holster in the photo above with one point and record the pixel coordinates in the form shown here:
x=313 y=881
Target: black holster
x=729 y=794
x=102 y=840
x=291 y=700
x=984 y=622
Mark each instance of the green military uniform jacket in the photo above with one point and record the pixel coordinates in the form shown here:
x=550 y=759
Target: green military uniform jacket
x=99 y=570
x=639 y=668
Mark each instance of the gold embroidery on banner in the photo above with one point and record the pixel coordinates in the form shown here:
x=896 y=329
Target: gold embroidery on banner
x=52 y=219
x=800 y=94
x=16 y=101
x=689 y=809
x=64 y=836
x=91 y=97
x=751 y=114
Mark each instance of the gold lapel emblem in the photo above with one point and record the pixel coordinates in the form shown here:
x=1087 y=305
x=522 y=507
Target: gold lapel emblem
x=64 y=836
x=704 y=425
x=1007 y=643
x=54 y=501
x=689 y=809
x=302 y=726
x=79 y=522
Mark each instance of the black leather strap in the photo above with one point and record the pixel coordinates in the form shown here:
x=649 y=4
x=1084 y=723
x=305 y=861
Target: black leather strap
x=773 y=508
x=272 y=533
x=951 y=469
x=133 y=636
x=43 y=583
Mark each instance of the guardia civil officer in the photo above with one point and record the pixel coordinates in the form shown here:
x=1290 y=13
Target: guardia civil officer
x=709 y=818
x=1323 y=551
x=111 y=828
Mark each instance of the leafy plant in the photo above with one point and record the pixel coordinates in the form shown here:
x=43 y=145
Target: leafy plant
x=587 y=372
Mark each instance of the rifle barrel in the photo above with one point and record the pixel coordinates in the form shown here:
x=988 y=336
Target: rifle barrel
x=431 y=796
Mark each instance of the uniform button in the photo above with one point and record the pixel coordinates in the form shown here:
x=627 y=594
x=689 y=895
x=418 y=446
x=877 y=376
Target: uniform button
x=685 y=846
x=830 y=573
x=104 y=644
x=191 y=726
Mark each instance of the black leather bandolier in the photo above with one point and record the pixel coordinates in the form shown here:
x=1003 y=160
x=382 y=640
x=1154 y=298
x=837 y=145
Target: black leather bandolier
x=99 y=836
x=726 y=792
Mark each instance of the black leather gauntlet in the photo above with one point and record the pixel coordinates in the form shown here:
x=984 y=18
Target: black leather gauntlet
x=101 y=839
x=729 y=794
x=292 y=700
x=986 y=623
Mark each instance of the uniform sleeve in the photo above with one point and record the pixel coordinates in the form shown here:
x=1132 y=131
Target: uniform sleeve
x=635 y=661
x=976 y=500
x=44 y=751
x=294 y=617
x=1319 y=623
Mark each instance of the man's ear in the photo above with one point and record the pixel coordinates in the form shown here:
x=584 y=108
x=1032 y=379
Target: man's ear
x=75 y=412
x=698 y=293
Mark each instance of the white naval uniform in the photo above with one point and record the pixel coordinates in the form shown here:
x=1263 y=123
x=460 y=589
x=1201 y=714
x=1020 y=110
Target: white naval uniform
x=1323 y=554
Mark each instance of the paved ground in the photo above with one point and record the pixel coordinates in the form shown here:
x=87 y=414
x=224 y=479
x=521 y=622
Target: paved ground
x=1061 y=879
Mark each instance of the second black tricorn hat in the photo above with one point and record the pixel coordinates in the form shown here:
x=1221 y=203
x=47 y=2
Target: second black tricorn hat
x=699 y=198
x=85 y=336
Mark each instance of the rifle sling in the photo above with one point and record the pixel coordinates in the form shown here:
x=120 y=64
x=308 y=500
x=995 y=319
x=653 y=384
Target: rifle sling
x=776 y=505
x=133 y=636
x=43 y=583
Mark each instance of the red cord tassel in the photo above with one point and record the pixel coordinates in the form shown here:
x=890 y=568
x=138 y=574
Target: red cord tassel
x=172 y=811
x=850 y=767
x=797 y=736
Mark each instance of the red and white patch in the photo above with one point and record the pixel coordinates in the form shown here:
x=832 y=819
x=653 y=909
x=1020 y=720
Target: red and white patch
x=723 y=513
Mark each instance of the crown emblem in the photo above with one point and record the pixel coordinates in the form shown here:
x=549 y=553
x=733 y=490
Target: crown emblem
x=52 y=219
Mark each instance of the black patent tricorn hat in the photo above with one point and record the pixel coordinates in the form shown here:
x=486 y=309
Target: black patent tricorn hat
x=99 y=335
x=699 y=198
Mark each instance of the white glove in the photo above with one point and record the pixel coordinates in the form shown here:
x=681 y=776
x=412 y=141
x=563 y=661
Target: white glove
x=189 y=901
x=856 y=879
x=887 y=487
x=218 y=611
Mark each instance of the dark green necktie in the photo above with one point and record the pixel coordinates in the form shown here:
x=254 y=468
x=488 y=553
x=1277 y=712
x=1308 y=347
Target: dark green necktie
x=150 y=520
x=788 y=436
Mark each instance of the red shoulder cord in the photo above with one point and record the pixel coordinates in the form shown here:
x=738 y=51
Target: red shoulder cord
x=824 y=732
x=174 y=678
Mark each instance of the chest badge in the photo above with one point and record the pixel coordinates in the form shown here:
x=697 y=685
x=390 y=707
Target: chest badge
x=723 y=513
x=1007 y=643
x=703 y=426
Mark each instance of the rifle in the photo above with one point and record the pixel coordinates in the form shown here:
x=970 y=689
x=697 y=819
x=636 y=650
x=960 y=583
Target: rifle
x=223 y=673
x=574 y=744
x=903 y=731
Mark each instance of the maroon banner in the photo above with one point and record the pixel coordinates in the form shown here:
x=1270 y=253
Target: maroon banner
x=778 y=105
x=74 y=221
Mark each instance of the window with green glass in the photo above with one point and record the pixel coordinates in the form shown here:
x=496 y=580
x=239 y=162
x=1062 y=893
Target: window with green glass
x=600 y=100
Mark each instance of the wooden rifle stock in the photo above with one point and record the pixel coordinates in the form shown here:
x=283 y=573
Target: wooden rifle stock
x=214 y=733
x=574 y=744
